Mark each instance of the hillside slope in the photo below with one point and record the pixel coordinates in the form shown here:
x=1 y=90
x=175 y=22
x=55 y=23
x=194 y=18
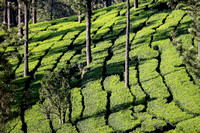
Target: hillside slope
x=162 y=94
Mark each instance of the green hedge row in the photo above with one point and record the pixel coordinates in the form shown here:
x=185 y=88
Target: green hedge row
x=157 y=19
x=115 y=64
x=188 y=42
x=40 y=36
x=148 y=123
x=151 y=80
x=164 y=31
x=120 y=96
x=182 y=29
x=14 y=126
x=71 y=35
x=142 y=37
x=93 y=88
x=76 y=101
x=65 y=58
x=36 y=120
x=184 y=91
x=94 y=125
x=123 y=121
x=190 y=125
x=35 y=28
x=100 y=52
x=97 y=105
x=37 y=52
x=169 y=112
x=143 y=52
x=67 y=128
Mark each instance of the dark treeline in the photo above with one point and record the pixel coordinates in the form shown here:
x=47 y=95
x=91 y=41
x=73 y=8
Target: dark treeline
x=44 y=10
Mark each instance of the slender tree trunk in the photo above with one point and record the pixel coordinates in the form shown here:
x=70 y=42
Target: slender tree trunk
x=63 y=113
x=88 y=38
x=127 y=46
x=135 y=4
x=79 y=17
x=60 y=117
x=34 y=12
x=19 y=19
x=5 y=11
x=199 y=46
x=9 y=15
x=51 y=15
x=108 y=3
x=26 y=39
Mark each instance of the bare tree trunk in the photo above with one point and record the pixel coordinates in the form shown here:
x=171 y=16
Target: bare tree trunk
x=64 y=113
x=135 y=4
x=26 y=39
x=127 y=46
x=5 y=11
x=19 y=19
x=51 y=15
x=34 y=12
x=8 y=15
x=199 y=46
x=88 y=38
x=79 y=17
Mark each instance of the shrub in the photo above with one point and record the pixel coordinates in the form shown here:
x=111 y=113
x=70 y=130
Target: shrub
x=139 y=108
x=94 y=125
x=167 y=111
x=120 y=96
x=7 y=90
x=36 y=120
x=190 y=125
x=148 y=123
x=14 y=126
x=123 y=120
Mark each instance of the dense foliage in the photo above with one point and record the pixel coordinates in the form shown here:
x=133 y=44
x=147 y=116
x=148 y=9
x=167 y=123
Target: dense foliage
x=162 y=96
x=56 y=91
x=7 y=90
x=191 y=54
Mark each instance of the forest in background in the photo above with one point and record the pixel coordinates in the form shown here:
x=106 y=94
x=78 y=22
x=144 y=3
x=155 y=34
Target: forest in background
x=50 y=9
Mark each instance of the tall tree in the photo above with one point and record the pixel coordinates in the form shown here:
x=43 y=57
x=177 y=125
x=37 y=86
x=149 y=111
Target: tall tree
x=56 y=90
x=79 y=17
x=19 y=18
x=34 y=11
x=26 y=38
x=5 y=11
x=135 y=4
x=51 y=11
x=127 y=46
x=88 y=28
x=9 y=14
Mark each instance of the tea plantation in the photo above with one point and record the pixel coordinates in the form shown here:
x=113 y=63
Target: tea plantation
x=163 y=95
